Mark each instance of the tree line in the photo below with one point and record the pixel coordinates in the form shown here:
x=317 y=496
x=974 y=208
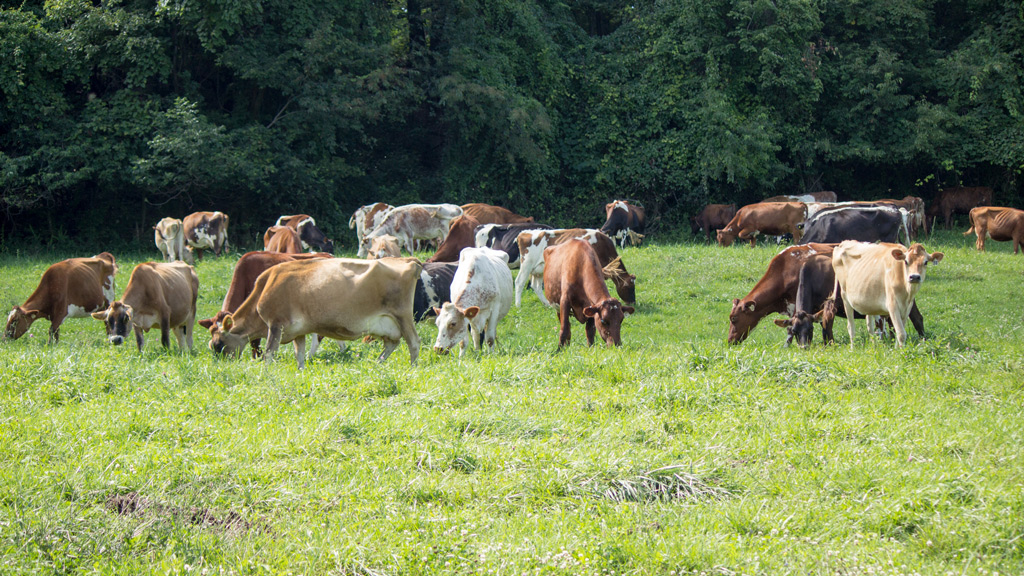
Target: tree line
x=115 y=113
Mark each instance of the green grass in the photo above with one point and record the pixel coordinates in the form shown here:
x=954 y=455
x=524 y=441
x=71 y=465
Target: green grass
x=675 y=454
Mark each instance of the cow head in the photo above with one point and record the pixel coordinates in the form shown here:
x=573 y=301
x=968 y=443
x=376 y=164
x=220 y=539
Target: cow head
x=117 y=319
x=916 y=260
x=453 y=326
x=222 y=341
x=383 y=247
x=726 y=236
x=742 y=319
x=801 y=327
x=18 y=322
x=608 y=316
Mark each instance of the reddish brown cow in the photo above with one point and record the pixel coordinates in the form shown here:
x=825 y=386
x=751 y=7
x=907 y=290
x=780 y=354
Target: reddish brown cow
x=764 y=218
x=999 y=224
x=283 y=239
x=574 y=282
x=72 y=288
x=487 y=214
x=960 y=200
x=712 y=218
x=461 y=234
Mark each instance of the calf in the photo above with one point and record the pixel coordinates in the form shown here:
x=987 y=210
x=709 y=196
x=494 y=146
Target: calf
x=415 y=222
x=158 y=294
x=481 y=296
x=340 y=298
x=309 y=235
x=880 y=280
x=385 y=246
x=533 y=242
x=282 y=239
x=574 y=281
x=503 y=237
x=623 y=217
x=773 y=218
x=999 y=224
x=460 y=235
x=71 y=288
x=365 y=220
x=712 y=218
x=170 y=239
x=206 y=230
x=487 y=214
x=433 y=288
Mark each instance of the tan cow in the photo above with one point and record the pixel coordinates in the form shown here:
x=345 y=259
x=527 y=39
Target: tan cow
x=283 y=239
x=71 y=288
x=385 y=246
x=169 y=236
x=340 y=298
x=773 y=218
x=488 y=214
x=880 y=280
x=158 y=294
x=999 y=224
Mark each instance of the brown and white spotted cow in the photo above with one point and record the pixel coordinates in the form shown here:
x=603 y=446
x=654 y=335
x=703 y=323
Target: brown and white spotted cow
x=772 y=218
x=159 y=294
x=365 y=220
x=283 y=239
x=574 y=283
x=415 y=222
x=72 y=288
x=531 y=268
x=488 y=214
x=312 y=238
x=169 y=236
x=206 y=231
x=999 y=224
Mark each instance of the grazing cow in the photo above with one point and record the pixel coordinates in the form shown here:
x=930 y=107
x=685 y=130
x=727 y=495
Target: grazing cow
x=206 y=230
x=433 y=288
x=460 y=235
x=773 y=218
x=574 y=282
x=158 y=294
x=487 y=214
x=960 y=200
x=310 y=236
x=481 y=296
x=365 y=220
x=72 y=288
x=503 y=237
x=880 y=280
x=415 y=222
x=999 y=224
x=170 y=239
x=385 y=246
x=340 y=298
x=282 y=239
x=863 y=222
x=623 y=216
x=914 y=206
x=712 y=218
x=826 y=196
x=533 y=242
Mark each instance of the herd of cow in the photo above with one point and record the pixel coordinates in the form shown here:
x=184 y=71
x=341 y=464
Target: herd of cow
x=846 y=256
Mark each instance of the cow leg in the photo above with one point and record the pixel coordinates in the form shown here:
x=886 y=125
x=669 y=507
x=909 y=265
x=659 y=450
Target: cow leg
x=826 y=331
x=412 y=339
x=314 y=344
x=851 y=323
x=55 y=321
x=389 y=347
x=140 y=340
x=491 y=330
x=300 y=351
x=525 y=271
x=564 y=319
x=273 y=342
x=591 y=330
x=179 y=335
x=917 y=319
x=165 y=331
x=189 y=330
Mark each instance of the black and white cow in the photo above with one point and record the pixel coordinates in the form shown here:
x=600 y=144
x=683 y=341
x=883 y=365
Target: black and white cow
x=503 y=237
x=863 y=222
x=624 y=217
x=310 y=236
x=433 y=288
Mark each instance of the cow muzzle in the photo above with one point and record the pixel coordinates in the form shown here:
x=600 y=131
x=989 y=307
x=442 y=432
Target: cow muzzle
x=441 y=350
x=915 y=278
x=116 y=340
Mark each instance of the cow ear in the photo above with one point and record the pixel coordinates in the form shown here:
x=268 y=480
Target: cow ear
x=898 y=254
x=782 y=322
x=627 y=310
x=471 y=312
x=206 y=323
x=437 y=311
x=819 y=316
x=735 y=302
x=227 y=322
x=590 y=311
x=101 y=315
x=33 y=314
x=632 y=277
x=936 y=257
x=750 y=306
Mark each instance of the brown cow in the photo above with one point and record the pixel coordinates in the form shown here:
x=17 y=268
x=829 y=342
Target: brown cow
x=712 y=218
x=461 y=234
x=764 y=218
x=158 y=294
x=283 y=239
x=574 y=282
x=72 y=288
x=960 y=200
x=999 y=224
x=206 y=230
x=531 y=268
x=310 y=236
x=487 y=214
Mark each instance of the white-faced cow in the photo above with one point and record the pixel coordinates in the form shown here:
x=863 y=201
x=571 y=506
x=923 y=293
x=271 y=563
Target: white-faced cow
x=415 y=222
x=503 y=237
x=206 y=231
x=531 y=269
x=772 y=218
x=481 y=294
x=282 y=239
x=623 y=217
x=999 y=224
x=159 y=294
x=574 y=283
x=880 y=280
x=311 y=237
x=72 y=288
x=340 y=298
x=169 y=236
x=365 y=220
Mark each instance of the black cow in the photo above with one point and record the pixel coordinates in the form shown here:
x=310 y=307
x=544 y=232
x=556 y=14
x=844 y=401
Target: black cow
x=624 y=217
x=433 y=288
x=503 y=237
x=864 y=222
x=817 y=281
x=309 y=234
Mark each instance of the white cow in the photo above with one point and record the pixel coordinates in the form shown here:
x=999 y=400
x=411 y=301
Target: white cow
x=365 y=219
x=414 y=222
x=481 y=296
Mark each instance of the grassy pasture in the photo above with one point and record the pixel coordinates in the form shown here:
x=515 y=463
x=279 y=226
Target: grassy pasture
x=676 y=454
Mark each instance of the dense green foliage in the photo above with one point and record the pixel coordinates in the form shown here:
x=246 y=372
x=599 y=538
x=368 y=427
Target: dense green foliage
x=675 y=454
x=118 y=112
